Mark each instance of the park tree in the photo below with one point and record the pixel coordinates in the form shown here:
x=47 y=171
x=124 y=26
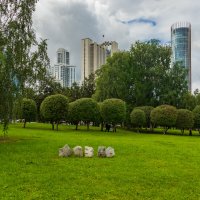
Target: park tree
x=185 y=120
x=142 y=76
x=114 y=79
x=113 y=111
x=54 y=108
x=29 y=110
x=88 y=86
x=73 y=114
x=138 y=118
x=84 y=109
x=196 y=112
x=189 y=101
x=147 y=110
x=20 y=65
x=165 y=116
x=174 y=86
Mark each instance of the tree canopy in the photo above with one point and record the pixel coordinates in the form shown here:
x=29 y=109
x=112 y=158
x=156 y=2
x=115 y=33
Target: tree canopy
x=54 y=108
x=19 y=63
x=142 y=76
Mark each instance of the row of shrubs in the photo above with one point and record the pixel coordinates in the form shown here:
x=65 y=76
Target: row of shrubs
x=166 y=116
x=56 y=108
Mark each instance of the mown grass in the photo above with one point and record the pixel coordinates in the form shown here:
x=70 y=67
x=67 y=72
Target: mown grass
x=146 y=166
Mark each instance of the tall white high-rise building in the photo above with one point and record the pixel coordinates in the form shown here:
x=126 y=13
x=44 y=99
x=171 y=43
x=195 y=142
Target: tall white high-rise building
x=63 y=72
x=94 y=55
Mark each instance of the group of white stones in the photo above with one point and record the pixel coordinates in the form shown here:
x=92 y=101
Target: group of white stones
x=77 y=151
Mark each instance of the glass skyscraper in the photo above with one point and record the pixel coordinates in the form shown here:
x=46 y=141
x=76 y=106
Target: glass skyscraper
x=181 y=47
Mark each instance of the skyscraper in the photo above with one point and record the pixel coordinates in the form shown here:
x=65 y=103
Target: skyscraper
x=94 y=55
x=181 y=47
x=62 y=71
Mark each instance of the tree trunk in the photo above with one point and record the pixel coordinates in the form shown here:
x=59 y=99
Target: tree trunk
x=165 y=130
x=57 y=126
x=52 y=123
x=190 y=132
x=76 y=126
x=24 y=123
x=101 y=126
x=88 y=124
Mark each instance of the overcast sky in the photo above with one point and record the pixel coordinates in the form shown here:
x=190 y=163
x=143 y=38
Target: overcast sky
x=65 y=22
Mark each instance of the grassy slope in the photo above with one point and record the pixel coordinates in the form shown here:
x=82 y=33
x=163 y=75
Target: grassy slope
x=145 y=167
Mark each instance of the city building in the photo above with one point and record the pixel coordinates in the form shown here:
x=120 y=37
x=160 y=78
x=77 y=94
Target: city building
x=181 y=47
x=62 y=71
x=94 y=55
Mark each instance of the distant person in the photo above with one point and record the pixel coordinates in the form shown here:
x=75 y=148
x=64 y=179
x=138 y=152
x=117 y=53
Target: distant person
x=107 y=128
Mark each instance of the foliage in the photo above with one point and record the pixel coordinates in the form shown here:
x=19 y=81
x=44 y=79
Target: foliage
x=73 y=114
x=29 y=110
x=196 y=113
x=185 y=119
x=165 y=116
x=113 y=111
x=147 y=110
x=85 y=109
x=19 y=64
x=113 y=78
x=142 y=76
x=88 y=86
x=189 y=101
x=54 y=108
x=138 y=118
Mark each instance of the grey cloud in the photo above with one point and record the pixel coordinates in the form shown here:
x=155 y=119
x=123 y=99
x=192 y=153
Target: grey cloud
x=66 y=22
x=64 y=25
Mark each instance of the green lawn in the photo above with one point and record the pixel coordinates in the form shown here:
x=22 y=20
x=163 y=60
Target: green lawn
x=146 y=166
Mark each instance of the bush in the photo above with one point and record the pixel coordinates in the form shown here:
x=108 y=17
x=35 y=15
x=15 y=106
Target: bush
x=185 y=119
x=54 y=108
x=147 y=110
x=196 y=113
x=138 y=118
x=28 y=110
x=165 y=116
x=113 y=111
x=84 y=109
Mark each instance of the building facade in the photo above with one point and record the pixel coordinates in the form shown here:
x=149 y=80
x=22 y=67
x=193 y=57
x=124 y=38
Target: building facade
x=94 y=55
x=181 y=47
x=62 y=71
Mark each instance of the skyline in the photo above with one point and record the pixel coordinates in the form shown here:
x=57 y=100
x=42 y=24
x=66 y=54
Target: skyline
x=65 y=22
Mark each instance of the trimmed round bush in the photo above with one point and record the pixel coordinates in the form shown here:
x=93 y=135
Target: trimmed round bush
x=147 y=110
x=165 y=116
x=84 y=109
x=185 y=119
x=138 y=118
x=196 y=113
x=113 y=111
x=54 y=108
x=28 y=110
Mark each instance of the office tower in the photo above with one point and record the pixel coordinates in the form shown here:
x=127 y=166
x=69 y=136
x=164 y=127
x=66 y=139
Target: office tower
x=181 y=47
x=94 y=55
x=62 y=56
x=63 y=72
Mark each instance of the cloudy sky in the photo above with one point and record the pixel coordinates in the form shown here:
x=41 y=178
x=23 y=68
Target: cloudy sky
x=65 y=22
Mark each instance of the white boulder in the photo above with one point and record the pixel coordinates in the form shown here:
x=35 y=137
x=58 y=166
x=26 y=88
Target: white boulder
x=101 y=151
x=110 y=152
x=89 y=152
x=65 y=151
x=78 y=151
